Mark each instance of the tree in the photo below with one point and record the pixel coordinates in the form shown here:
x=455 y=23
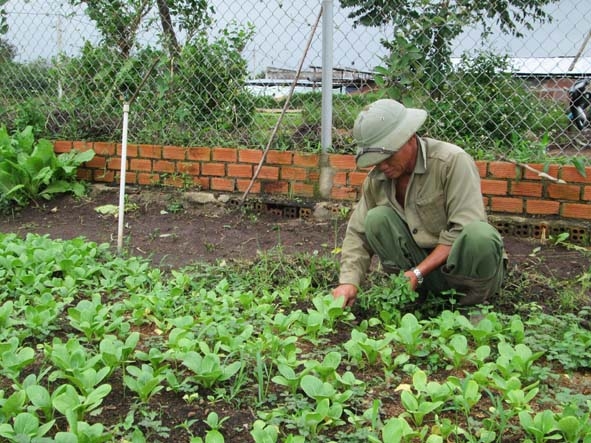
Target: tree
x=7 y=51
x=3 y=23
x=424 y=30
x=119 y=21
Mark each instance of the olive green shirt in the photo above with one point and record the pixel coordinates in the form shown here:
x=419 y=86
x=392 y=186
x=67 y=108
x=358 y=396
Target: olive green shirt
x=442 y=196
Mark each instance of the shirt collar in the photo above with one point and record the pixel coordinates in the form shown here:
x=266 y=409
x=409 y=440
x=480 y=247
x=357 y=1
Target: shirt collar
x=421 y=165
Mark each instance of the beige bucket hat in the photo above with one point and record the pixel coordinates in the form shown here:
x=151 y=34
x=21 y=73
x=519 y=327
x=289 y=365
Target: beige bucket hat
x=382 y=128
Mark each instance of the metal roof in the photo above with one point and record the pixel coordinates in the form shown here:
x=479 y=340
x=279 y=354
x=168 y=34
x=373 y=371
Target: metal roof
x=551 y=66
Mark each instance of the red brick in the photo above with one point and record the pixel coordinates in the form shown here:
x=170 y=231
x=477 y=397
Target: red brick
x=506 y=204
x=174 y=181
x=563 y=192
x=222 y=184
x=291 y=173
x=132 y=150
x=576 y=210
x=199 y=153
x=242 y=186
x=104 y=148
x=150 y=151
x=140 y=164
x=191 y=168
x=215 y=169
x=163 y=166
x=357 y=178
x=306 y=160
x=341 y=161
x=302 y=189
x=104 y=176
x=279 y=158
x=84 y=174
x=481 y=166
x=202 y=182
x=114 y=163
x=80 y=146
x=343 y=193
x=61 y=146
x=587 y=193
x=144 y=178
x=174 y=153
x=130 y=177
x=531 y=189
x=275 y=187
x=97 y=162
x=269 y=172
x=551 y=170
x=494 y=187
x=542 y=207
x=224 y=155
x=250 y=156
x=570 y=174
x=502 y=170
x=239 y=170
x=340 y=178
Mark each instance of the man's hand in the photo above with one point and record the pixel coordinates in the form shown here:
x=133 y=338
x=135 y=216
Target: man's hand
x=413 y=282
x=348 y=291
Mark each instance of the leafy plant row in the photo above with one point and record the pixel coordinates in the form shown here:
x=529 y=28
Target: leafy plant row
x=79 y=324
x=30 y=169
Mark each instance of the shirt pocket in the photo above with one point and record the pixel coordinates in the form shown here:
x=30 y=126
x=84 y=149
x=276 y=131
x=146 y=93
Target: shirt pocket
x=431 y=212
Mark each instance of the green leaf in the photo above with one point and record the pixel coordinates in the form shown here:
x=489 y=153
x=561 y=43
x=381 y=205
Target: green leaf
x=315 y=388
x=66 y=437
x=579 y=164
x=214 y=436
x=107 y=209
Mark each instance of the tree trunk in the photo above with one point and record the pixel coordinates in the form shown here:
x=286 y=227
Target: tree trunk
x=167 y=28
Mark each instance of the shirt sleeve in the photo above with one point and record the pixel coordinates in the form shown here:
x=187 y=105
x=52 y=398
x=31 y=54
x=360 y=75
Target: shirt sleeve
x=355 y=252
x=463 y=197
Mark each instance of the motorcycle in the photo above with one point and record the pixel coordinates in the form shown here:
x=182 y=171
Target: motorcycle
x=579 y=99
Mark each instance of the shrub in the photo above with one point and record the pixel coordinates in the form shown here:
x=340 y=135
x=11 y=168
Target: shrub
x=196 y=96
x=30 y=170
x=485 y=109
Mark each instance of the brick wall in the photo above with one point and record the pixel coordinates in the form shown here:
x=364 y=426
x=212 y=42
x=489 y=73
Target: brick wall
x=507 y=188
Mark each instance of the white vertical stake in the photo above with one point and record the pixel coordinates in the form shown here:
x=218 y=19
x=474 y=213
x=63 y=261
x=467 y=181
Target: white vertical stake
x=121 y=216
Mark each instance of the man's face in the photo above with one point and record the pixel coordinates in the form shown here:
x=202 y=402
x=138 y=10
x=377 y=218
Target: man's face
x=401 y=162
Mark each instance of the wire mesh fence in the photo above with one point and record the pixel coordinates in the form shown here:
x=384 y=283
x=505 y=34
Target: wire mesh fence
x=218 y=72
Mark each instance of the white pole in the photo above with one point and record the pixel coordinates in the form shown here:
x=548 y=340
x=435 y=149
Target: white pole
x=326 y=172
x=122 y=178
x=327 y=74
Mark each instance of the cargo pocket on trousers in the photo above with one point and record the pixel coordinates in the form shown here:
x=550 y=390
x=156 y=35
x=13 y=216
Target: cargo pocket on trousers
x=471 y=291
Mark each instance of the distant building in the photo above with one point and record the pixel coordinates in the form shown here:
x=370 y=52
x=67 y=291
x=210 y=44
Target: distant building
x=278 y=81
x=552 y=76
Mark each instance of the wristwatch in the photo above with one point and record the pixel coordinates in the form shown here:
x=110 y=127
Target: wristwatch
x=419 y=276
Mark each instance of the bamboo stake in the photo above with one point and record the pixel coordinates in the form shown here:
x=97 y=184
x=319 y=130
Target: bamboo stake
x=284 y=110
x=540 y=174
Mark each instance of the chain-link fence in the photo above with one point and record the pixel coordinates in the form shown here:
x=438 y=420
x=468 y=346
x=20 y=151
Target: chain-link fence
x=218 y=72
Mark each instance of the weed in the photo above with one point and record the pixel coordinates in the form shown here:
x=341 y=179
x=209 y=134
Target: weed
x=174 y=207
